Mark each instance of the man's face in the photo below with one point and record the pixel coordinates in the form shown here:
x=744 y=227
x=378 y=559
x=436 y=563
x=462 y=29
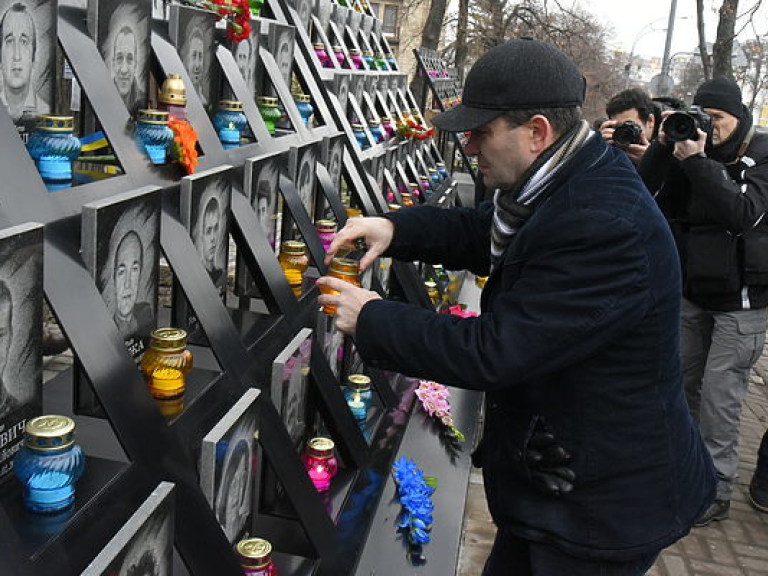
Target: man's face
x=632 y=115
x=196 y=59
x=127 y=274
x=18 y=39
x=284 y=59
x=243 y=59
x=723 y=125
x=503 y=153
x=124 y=61
x=211 y=223
x=6 y=333
x=305 y=183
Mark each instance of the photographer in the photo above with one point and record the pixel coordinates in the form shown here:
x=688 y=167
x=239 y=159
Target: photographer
x=631 y=122
x=708 y=170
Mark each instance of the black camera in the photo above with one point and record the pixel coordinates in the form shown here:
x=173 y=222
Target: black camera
x=681 y=126
x=626 y=133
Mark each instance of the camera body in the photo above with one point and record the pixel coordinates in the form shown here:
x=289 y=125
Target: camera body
x=685 y=125
x=627 y=133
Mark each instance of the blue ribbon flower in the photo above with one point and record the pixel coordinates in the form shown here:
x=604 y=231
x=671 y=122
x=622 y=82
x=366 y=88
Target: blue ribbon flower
x=414 y=490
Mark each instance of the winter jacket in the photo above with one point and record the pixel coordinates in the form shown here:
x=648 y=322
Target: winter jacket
x=579 y=330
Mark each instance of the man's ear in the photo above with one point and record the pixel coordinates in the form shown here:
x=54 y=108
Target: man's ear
x=542 y=134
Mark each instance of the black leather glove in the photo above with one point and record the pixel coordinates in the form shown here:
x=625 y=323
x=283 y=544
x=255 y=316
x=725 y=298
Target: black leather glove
x=543 y=461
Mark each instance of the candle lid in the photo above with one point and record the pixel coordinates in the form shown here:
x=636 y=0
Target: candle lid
x=318 y=46
x=440 y=163
x=266 y=101
x=326 y=225
x=320 y=447
x=168 y=339
x=296 y=247
x=431 y=169
x=367 y=53
x=173 y=91
x=354 y=51
x=386 y=119
x=150 y=116
x=231 y=105
x=357 y=126
x=393 y=207
x=359 y=382
x=50 y=432
x=406 y=194
x=374 y=122
x=302 y=97
x=55 y=123
x=254 y=551
x=337 y=49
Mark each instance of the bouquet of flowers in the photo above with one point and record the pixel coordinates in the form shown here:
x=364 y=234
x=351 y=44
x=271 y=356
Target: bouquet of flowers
x=184 y=146
x=412 y=129
x=414 y=490
x=434 y=399
x=237 y=14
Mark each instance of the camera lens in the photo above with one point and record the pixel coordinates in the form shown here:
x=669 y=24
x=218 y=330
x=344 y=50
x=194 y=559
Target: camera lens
x=680 y=126
x=626 y=133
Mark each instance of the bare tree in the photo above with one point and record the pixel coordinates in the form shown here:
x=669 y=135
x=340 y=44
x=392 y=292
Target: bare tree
x=723 y=47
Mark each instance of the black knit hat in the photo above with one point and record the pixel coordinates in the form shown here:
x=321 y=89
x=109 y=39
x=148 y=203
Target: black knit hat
x=517 y=75
x=720 y=93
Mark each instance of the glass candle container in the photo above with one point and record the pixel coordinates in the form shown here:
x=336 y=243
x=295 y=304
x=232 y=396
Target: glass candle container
x=407 y=199
x=303 y=103
x=432 y=292
x=322 y=55
x=480 y=281
x=434 y=177
x=172 y=97
x=326 y=231
x=425 y=185
x=53 y=147
x=358 y=395
x=353 y=212
x=443 y=173
x=153 y=135
x=269 y=112
x=415 y=189
x=344 y=269
x=375 y=128
x=391 y=61
x=357 y=58
x=255 y=555
x=368 y=57
x=362 y=139
x=49 y=463
x=381 y=61
x=394 y=207
x=230 y=122
x=388 y=126
x=320 y=462
x=294 y=262
x=256 y=7
x=338 y=52
x=166 y=363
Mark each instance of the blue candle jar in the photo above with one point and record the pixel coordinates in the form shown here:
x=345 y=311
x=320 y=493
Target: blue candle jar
x=49 y=463
x=368 y=57
x=153 y=135
x=230 y=122
x=391 y=61
x=362 y=139
x=303 y=103
x=376 y=131
x=441 y=170
x=358 y=395
x=53 y=147
x=434 y=177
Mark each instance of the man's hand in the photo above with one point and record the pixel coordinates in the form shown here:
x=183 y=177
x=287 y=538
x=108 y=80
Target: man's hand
x=687 y=148
x=347 y=299
x=375 y=232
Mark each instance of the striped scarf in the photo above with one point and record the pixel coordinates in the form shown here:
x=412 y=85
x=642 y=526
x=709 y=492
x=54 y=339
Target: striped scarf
x=513 y=207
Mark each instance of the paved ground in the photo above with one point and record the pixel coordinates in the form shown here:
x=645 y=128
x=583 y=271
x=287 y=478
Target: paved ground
x=735 y=547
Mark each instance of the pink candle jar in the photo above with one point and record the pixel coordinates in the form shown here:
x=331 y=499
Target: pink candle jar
x=357 y=58
x=255 y=557
x=340 y=58
x=326 y=231
x=388 y=126
x=322 y=55
x=320 y=462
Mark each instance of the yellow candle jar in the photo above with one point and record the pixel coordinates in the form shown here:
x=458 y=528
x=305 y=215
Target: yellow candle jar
x=166 y=363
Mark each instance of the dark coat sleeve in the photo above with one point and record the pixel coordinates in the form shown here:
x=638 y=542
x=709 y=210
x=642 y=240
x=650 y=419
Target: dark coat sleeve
x=457 y=238
x=737 y=207
x=572 y=288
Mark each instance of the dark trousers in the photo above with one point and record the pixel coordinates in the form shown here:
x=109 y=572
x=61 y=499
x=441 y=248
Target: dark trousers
x=761 y=471
x=514 y=556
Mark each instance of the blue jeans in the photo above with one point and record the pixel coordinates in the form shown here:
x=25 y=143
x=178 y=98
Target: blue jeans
x=515 y=556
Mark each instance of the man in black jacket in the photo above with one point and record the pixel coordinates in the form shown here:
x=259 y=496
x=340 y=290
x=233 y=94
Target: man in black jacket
x=713 y=188
x=591 y=461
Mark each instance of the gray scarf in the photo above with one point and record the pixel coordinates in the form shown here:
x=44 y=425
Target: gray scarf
x=513 y=207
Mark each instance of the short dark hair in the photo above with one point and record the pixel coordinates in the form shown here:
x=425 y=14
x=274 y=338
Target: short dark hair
x=562 y=119
x=636 y=98
x=21 y=9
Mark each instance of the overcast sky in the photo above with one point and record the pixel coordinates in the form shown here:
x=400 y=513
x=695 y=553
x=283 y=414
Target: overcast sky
x=644 y=22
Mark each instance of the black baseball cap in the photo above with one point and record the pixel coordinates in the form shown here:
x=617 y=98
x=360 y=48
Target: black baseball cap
x=517 y=75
